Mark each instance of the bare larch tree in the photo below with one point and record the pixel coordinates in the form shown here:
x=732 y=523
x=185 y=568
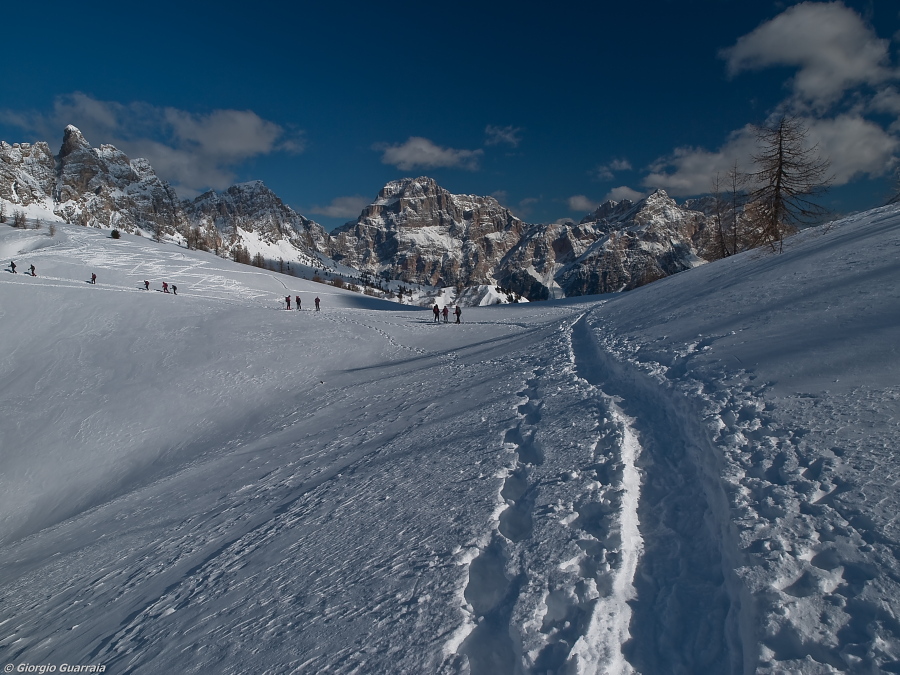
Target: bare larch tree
x=788 y=176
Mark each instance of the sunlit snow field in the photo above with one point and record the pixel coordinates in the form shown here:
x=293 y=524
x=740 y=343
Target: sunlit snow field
x=698 y=476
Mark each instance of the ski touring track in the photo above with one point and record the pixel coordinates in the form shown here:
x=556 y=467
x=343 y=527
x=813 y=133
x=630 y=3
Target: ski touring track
x=601 y=554
x=195 y=276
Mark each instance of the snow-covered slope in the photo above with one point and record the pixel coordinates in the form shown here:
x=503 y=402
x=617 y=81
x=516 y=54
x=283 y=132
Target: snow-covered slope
x=697 y=476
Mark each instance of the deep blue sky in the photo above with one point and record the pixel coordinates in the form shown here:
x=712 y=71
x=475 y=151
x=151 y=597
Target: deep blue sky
x=552 y=111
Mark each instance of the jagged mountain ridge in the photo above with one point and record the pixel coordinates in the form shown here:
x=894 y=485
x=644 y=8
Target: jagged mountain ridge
x=102 y=187
x=418 y=231
x=415 y=230
x=252 y=207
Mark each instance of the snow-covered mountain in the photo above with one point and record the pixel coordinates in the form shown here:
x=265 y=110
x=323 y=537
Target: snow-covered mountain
x=88 y=186
x=254 y=208
x=414 y=231
x=641 y=243
x=618 y=247
x=104 y=188
x=698 y=476
x=419 y=232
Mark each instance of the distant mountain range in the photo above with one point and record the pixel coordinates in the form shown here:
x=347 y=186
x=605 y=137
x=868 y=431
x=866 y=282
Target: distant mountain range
x=414 y=230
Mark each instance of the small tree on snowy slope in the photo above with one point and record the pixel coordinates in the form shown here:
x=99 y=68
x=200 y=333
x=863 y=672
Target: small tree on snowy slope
x=789 y=176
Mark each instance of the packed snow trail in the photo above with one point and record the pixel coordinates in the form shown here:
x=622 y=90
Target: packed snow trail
x=681 y=608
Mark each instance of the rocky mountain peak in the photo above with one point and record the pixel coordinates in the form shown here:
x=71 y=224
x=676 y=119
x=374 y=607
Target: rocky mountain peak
x=409 y=188
x=73 y=141
x=608 y=209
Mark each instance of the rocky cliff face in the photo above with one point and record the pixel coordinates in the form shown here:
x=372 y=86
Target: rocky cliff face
x=104 y=188
x=27 y=173
x=252 y=207
x=640 y=243
x=619 y=246
x=95 y=187
x=417 y=231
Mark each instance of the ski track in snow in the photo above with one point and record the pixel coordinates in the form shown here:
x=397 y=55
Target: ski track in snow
x=681 y=611
x=534 y=491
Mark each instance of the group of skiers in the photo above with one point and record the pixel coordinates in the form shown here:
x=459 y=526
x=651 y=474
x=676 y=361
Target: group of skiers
x=12 y=267
x=287 y=300
x=165 y=286
x=446 y=312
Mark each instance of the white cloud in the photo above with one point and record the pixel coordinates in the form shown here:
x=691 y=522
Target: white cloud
x=343 y=207
x=854 y=145
x=608 y=171
x=886 y=101
x=624 y=192
x=582 y=203
x=418 y=152
x=224 y=134
x=690 y=171
x=829 y=43
x=190 y=150
x=503 y=135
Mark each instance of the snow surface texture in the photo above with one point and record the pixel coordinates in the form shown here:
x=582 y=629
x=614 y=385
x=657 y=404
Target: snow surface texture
x=697 y=476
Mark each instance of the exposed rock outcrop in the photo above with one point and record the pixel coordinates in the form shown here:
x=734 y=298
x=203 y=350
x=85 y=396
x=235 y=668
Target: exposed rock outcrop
x=419 y=232
x=252 y=207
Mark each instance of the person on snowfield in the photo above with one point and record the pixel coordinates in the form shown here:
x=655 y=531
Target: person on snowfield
x=297 y=300
x=165 y=287
x=174 y=289
x=437 y=313
x=93 y=278
x=287 y=299
x=317 y=303
x=12 y=266
x=32 y=271
x=446 y=313
x=146 y=285
x=458 y=313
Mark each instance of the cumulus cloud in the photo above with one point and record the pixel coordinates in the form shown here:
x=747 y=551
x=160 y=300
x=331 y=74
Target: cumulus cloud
x=343 y=207
x=582 y=203
x=509 y=135
x=689 y=171
x=193 y=151
x=886 y=101
x=854 y=145
x=421 y=153
x=829 y=43
x=624 y=192
x=608 y=171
